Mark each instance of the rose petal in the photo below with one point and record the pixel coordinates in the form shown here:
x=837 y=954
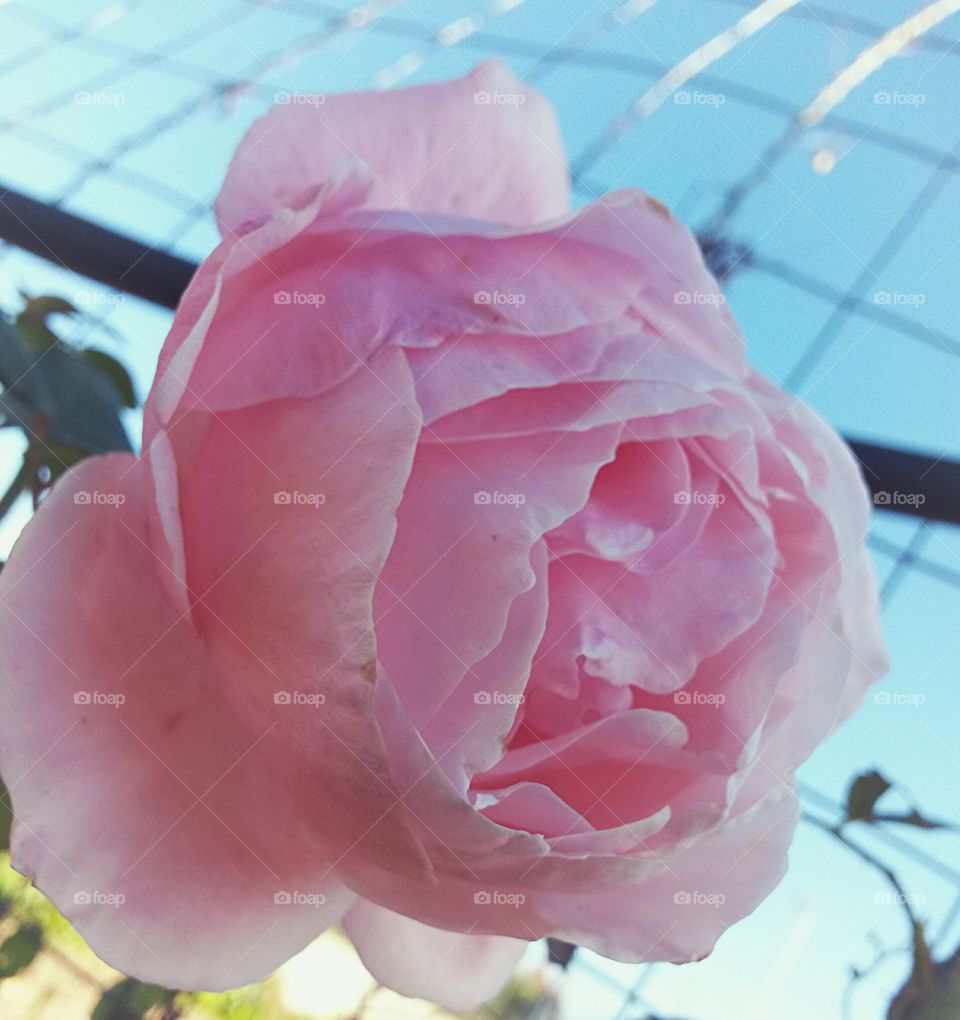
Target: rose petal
x=461 y=557
x=152 y=825
x=288 y=512
x=709 y=884
x=457 y=970
x=430 y=148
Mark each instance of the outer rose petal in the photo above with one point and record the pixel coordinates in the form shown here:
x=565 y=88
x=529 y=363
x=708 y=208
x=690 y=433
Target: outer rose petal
x=460 y=971
x=168 y=801
x=288 y=512
x=429 y=148
x=672 y=918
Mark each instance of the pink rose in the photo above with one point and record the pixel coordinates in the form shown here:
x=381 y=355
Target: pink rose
x=470 y=588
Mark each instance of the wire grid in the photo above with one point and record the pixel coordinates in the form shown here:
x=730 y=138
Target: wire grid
x=121 y=143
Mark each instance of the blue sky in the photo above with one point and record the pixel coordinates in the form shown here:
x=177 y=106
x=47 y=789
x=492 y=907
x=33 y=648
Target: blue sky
x=145 y=155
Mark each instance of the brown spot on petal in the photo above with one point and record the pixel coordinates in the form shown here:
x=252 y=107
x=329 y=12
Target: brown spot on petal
x=369 y=671
x=656 y=204
x=173 y=721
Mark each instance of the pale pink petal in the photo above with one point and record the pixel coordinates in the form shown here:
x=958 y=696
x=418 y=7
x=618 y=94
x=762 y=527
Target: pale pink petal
x=233 y=274
x=470 y=515
x=708 y=884
x=836 y=485
x=457 y=970
x=653 y=630
x=485 y=146
x=467 y=729
x=288 y=512
x=152 y=823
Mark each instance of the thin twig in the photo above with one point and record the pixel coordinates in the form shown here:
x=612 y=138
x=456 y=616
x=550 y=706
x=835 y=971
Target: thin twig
x=865 y=855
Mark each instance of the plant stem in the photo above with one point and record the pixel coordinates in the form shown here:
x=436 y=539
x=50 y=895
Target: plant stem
x=835 y=831
x=16 y=487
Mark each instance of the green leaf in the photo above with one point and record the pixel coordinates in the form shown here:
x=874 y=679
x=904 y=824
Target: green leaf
x=32 y=325
x=131 y=1000
x=24 y=390
x=59 y=397
x=19 y=950
x=36 y=309
x=863 y=794
x=6 y=817
x=85 y=404
x=109 y=367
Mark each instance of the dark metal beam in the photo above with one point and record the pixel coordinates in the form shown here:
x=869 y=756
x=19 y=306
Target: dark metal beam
x=93 y=251
x=901 y=481
x=908 y=482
